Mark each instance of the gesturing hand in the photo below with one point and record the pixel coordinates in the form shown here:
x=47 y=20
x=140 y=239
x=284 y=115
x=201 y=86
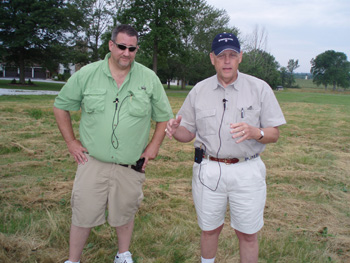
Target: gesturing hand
x=172 y=126
x=243 y=131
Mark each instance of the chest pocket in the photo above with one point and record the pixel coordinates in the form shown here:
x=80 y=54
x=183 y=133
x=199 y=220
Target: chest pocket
x=94 y=100
x=249 y=115
x=206 y=122
x=139 y=104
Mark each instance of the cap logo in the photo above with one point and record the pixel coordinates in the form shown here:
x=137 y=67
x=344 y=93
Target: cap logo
x=225 y=39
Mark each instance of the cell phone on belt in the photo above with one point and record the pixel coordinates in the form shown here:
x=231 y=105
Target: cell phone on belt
x=198 y=155
x=139 y=164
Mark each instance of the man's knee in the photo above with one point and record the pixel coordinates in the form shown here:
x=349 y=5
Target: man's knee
x=214 y=232
x=249 y=238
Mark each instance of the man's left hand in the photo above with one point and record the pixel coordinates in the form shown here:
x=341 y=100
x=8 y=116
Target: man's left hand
x=244 y=131
x=150 y=153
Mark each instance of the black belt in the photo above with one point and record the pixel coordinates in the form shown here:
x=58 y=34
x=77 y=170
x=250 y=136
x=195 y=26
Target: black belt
x=137 y=167
x=134 y=167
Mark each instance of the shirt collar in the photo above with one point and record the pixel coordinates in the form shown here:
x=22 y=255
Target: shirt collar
x=234 y=84
x=106 y=69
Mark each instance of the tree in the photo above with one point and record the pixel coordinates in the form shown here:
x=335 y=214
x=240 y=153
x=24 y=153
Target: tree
x=255 y=41
x=257 y=61
x=37 y=31
x=292 y=65
x=117 y=7
x=194 y=58
x=284 y=76
x=191 y=62
x=100 y=17
x=262 y=65
x=159 y=23
x=332 y=68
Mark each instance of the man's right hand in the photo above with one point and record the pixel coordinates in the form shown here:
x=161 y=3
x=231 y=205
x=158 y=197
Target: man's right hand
x=172 y=126
x=78 y=151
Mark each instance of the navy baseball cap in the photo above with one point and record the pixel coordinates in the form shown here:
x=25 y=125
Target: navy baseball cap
x=225 y=41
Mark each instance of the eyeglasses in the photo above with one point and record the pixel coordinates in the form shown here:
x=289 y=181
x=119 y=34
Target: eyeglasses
x=123 y=47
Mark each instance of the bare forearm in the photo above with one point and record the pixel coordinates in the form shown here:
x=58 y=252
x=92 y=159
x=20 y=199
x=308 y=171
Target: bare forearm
x=64 y=124
x=183 y=135
x=271 y=135
x=159 y=134
x=152 y=148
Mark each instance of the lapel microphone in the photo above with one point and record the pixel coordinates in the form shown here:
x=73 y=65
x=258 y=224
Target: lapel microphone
x=116 y=102
x=224 y=101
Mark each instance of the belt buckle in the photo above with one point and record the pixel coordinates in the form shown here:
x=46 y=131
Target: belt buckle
x=226 y=161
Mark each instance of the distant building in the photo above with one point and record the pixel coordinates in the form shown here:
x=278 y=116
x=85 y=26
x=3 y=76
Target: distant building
x=35 y=72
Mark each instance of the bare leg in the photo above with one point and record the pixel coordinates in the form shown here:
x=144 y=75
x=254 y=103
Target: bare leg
x=248 y=247
x=124 y=234
x=209 y=242
x=77 y=240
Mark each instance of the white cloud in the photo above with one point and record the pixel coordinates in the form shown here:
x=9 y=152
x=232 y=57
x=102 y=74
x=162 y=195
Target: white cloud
x=296 y=29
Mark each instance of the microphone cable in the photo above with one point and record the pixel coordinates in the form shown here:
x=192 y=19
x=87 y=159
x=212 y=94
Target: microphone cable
x=114 y=126
x=217 y=154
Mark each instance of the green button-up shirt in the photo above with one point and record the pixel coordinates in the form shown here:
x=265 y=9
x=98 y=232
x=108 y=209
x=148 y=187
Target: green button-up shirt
x=115 y=132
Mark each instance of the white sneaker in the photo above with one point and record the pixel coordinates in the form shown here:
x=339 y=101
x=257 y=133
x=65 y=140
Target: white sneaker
x=123 y=258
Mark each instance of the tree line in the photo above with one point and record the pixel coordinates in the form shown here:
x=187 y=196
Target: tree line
x=175 y=38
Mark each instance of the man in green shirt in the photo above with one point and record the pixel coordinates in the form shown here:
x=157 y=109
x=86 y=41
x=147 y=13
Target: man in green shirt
x=118 y=97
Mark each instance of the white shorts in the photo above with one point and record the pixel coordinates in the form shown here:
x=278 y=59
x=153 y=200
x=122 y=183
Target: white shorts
x=242 y=185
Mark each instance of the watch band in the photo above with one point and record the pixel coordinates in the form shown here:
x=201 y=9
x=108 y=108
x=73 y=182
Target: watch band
x=262 y=134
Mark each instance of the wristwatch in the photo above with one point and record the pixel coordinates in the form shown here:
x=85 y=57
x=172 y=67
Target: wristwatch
x=262 y=134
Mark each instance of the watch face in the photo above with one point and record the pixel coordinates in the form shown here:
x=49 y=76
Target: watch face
x=262 y=134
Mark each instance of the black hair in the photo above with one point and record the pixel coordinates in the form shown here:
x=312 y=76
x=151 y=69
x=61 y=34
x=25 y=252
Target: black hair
x=127 y=29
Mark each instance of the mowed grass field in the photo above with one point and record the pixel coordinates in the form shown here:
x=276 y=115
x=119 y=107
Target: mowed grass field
x=307 y=214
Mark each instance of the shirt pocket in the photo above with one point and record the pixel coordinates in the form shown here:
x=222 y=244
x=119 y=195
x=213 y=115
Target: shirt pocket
x=94 y=100
x=206 y=122
x=249 y=115
x=139 y=104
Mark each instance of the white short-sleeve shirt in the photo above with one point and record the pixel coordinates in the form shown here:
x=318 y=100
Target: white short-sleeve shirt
x=248 y=99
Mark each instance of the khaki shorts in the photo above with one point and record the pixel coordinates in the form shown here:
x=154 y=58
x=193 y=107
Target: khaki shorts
x=242 y=186
x=98 y=185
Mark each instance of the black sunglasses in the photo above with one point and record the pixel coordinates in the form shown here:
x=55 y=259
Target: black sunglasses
x=123 y=47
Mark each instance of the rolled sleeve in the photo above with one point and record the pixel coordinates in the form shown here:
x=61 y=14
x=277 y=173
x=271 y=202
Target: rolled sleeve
x=70 y=96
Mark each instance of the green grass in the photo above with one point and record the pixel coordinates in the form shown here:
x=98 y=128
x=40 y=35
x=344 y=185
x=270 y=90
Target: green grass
x=309 y=97
x=306 y=216
x=6 y=84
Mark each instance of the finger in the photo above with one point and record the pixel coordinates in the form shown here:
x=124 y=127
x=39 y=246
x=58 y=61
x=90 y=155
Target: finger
x=144 y=164
x=167 y=131
x=169 y=135
x=78 y=159
x=82 y=157
x=178 y=119
x=234 y=125
x=240 y=140
x=83 y=154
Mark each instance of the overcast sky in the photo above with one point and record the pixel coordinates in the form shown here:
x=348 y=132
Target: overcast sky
x=296 y=29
